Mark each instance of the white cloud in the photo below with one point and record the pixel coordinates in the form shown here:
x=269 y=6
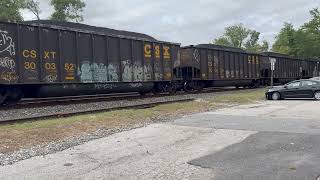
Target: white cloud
x=189 y=21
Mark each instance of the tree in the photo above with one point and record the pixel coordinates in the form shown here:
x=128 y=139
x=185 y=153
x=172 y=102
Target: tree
x=241 y=37
x=33 y=6
x=253 y=45
x=67 y=10
x=223 y=41
x=303 y=42
x=313 y=25
x=9 y=10
x=285 y=40
x=233 y=36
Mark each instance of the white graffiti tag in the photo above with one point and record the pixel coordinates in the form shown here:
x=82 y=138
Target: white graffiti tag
x=196 y=55
x=51 y=78
x=7 y=62
x=6 y=43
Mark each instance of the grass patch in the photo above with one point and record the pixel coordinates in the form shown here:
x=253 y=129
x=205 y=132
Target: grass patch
x=243 y=97
x=26 y=134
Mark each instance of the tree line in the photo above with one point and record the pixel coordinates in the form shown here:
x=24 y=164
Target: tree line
x=301 y=42
x=64 y=10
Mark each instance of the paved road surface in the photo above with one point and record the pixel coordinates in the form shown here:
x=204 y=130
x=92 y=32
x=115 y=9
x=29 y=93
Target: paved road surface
x=267 y=140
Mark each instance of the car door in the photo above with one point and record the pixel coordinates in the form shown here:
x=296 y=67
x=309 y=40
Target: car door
x=307 y=88
x=292 y=90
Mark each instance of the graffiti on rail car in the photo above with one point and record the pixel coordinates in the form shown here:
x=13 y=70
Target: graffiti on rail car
x=96 y=72
x=9 y=76
x=6 y=43
x=113 y=72
x=7 y=63
x=51 y=78
x=85 y=72
x=104 y=86
x=127 y=70
x=135 y=85
x=137 y=72
x=99 y=72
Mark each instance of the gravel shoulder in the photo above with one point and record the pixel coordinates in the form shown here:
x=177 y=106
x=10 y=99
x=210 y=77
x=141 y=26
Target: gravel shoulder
x=24 y=140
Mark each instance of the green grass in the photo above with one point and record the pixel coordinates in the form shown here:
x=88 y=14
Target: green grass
x=243 y=97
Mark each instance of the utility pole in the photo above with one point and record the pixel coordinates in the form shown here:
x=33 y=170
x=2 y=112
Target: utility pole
x=272 y=63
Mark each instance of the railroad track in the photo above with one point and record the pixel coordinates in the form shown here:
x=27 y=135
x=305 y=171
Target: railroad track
x=30 y=109
x=68 y=114
x=102 y=97
x=75 y=99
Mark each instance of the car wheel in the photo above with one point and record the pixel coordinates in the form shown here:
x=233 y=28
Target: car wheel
x=317 y=95
x=275 y=96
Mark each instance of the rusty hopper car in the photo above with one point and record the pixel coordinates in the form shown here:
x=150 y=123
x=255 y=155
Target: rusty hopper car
x=209 y=65
x=287 y=68
x=48 y=61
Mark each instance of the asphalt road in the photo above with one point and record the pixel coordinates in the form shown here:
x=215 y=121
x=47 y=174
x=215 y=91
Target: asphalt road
x=267 y=140
x=286 y=145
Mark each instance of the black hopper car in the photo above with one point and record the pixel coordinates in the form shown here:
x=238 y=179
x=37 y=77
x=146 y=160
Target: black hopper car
x=208 y=65
x=52 y=59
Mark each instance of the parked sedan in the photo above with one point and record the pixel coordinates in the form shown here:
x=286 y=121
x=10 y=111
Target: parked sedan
x=295 y=89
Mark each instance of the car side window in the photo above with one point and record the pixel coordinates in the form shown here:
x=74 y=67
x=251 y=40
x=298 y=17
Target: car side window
x=307 y=83
x=293 y=85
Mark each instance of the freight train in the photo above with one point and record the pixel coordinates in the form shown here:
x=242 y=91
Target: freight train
x=53 y=59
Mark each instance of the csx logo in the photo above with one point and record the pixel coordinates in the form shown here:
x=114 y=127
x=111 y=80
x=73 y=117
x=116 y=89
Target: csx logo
x=157 y=51
x=29 y=53
x=147 y=50
x=33 y=54
x=166 y=52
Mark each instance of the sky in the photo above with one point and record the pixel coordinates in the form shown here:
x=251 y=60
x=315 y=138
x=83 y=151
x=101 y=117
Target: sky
x=190 y=21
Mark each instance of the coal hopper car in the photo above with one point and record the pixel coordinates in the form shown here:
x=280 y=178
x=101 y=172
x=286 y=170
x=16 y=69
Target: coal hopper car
x=208 y=65
x=49 y=60
x=287 y=68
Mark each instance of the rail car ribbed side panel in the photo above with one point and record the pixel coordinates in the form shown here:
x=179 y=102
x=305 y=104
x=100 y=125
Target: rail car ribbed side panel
x=31 y=54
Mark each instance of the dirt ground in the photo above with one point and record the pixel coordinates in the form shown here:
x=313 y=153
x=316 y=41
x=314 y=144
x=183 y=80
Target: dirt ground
x=24 y=135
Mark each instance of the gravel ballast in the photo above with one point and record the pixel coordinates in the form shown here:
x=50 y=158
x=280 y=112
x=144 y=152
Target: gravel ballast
x=8 y=114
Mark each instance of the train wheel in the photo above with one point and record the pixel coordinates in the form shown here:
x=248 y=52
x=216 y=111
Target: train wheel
x=13 y=96
x=187 y=87
x=169 y=88
x=2 y=99
x=199 y=87
x=155 y=92
x=142 y=93
x=172 y=90
x=3 y=96
x=256 y=84
x=157 y=89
